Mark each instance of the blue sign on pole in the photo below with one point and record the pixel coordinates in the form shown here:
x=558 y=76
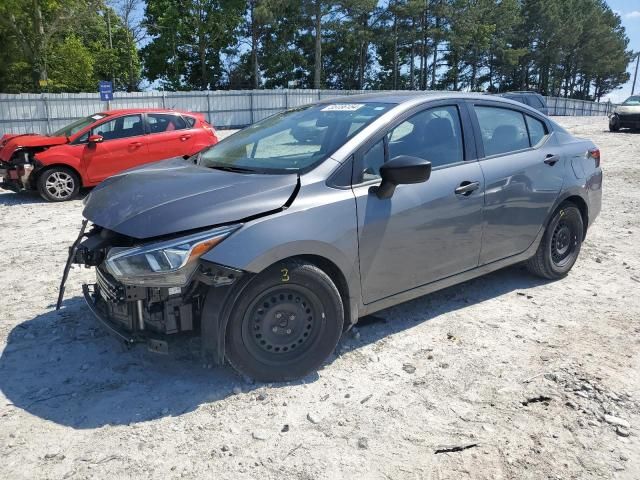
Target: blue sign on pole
x=106 y=90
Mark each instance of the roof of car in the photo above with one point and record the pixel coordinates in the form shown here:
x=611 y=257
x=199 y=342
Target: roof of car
x=124 y=111
x=403 y=96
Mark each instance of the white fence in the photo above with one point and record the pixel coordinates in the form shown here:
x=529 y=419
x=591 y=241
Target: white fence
x=46 y=113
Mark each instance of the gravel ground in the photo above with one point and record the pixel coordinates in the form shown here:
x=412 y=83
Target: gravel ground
x=504 y=377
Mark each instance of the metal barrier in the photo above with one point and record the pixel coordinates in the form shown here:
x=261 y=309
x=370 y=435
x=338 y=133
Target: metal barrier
x=46 y=113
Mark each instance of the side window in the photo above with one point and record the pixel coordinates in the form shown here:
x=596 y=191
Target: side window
x=535 y=101
x=160 y=122
x=372 y=161
x=121 y=127
x=434 y=134
x=190 y=121
x=537 y=130
x=503 y=130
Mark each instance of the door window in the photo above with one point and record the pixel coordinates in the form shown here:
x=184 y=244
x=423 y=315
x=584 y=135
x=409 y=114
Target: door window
x=159 y=122
x=434 y=135
x=121 y=127
x=503 y=130
x=537 y=130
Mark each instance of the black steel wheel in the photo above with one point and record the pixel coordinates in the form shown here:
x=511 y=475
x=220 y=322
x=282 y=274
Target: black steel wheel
x=286 y=323
x=560 y=245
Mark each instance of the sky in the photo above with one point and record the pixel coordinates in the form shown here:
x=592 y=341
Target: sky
x=629 y=11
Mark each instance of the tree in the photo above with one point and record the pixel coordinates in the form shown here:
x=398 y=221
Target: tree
x=187 y=40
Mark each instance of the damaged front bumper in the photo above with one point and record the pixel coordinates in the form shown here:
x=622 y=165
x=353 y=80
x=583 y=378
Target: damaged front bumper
x=155 y=314
x=15 y=177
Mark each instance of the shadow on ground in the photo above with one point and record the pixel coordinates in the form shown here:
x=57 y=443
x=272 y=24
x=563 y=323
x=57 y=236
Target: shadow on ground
x=9 y=198
x=60 y=366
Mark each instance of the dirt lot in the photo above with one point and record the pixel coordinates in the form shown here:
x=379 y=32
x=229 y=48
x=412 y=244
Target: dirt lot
x=527 y=379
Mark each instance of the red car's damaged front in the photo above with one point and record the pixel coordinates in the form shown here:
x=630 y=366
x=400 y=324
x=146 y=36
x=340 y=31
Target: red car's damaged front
x=17 y=160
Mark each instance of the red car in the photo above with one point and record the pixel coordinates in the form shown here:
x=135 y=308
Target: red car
x=91 y=149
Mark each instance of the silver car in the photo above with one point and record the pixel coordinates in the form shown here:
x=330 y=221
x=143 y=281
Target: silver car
x=626 y=115
x=274 y=242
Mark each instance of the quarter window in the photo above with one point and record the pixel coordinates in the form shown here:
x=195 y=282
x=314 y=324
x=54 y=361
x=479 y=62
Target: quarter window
x=159 y=122
x=503 y=130
x=537 y=130
x=121 y=127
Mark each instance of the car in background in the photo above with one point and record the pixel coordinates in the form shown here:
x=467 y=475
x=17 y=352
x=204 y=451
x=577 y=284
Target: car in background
x=626 y=115
x=93 y=148
x=275 y=241
x=533 y=99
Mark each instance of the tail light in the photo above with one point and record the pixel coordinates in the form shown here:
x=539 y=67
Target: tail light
x=595 y=154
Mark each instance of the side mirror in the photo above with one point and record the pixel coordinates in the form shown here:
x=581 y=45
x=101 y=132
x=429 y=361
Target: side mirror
x=95 y=139
x=403 y=169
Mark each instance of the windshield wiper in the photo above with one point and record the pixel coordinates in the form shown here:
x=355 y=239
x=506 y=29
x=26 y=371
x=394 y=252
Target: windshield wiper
x=229 y=168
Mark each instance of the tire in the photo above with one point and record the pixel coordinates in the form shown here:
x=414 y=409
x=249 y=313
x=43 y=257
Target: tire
x=286 y=323
x=560 y=245
x=58 y=184
x=614 y=126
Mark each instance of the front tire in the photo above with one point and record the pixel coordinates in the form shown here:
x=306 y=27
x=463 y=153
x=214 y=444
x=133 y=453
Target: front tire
x=614 y=125
x=58 y=184
x=286 y=323
x=560 y=245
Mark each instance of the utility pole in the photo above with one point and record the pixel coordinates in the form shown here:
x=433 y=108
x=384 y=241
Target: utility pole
x=635 y=75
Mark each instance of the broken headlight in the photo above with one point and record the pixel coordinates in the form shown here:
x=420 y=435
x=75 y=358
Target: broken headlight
x=164 y=264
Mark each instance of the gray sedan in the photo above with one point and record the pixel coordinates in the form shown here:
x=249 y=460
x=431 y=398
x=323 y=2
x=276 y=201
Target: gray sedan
x=274 y=242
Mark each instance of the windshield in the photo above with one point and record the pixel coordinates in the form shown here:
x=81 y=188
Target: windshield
x=632 y=101
x=292 y=141
x=78 y=125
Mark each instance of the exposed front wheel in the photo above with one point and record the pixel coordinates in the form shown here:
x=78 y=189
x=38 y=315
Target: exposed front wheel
x=614 y=125
x=58 y=184
x=560 y=245
x=286 y=324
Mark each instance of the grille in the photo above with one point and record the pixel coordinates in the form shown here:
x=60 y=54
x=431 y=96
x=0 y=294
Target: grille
x=110 y=290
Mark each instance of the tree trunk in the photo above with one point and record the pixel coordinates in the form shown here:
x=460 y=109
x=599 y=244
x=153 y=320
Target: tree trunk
x=317 y=69
x=434 y=65
x=39 y=48
x=255 y=69
x=395 y=50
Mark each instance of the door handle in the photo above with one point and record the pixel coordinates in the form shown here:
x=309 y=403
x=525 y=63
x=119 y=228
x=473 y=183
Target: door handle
x=185 y=137
x=551 y=159
x=136 y=144
x=466 y=188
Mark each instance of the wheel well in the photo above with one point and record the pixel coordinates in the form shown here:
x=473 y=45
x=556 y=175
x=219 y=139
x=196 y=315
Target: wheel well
x=49 y=167
x=331 y=269
x=584 y=211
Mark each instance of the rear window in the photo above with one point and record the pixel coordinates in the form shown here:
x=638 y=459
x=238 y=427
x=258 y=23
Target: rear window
x=160 y=122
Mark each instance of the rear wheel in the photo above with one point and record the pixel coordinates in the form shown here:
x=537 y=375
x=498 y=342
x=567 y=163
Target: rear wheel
x=58 y=184
x=286 y=324
x=560 y=245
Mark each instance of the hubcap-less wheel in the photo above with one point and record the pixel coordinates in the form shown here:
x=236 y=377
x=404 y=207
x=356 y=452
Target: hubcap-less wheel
x=60 y=185
x=282 y=323
x=563 y=243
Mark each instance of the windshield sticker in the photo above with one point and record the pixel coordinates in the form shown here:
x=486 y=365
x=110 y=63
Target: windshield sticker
x=97 y=117
x=342 y=107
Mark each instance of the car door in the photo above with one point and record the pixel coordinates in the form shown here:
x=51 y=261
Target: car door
x=169 y=136
x=523 y=170
x=425 y=231
x=123 y=146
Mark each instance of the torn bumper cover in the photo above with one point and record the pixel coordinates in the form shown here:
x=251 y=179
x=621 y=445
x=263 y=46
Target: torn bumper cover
x=152 y=315
x=15 y=177
x=148 y=311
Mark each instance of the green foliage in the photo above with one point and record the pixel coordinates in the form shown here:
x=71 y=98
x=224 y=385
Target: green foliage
x=64 y=46
x=574 y=48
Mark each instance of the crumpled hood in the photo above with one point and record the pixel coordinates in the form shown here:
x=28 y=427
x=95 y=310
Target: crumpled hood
x=175 y=195
x=10 y=142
